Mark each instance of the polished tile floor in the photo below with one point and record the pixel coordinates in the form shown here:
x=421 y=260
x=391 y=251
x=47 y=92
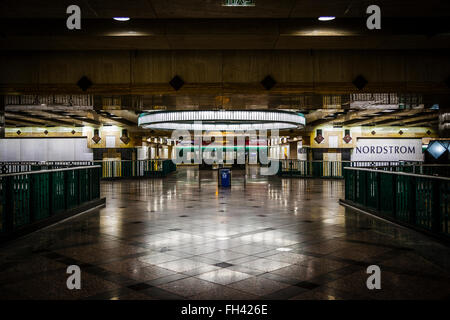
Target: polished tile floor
x=183 y=238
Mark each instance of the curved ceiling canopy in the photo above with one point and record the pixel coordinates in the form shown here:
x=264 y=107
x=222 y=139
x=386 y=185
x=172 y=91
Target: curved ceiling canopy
x=222 y=120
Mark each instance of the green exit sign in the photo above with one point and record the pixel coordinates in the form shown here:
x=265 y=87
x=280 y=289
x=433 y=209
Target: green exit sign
x=239 y=3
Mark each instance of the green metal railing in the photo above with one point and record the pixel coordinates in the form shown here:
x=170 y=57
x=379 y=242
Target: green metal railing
x=136 y=168
x=327 y=169
x=27 y=166
x=30 y=197
x=311 y=169
x=110 y=169
x=421 y=201
x=441 y=170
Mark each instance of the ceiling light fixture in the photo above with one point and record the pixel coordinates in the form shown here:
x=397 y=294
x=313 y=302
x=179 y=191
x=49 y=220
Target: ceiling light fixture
x=121 y=18
x=233 y=120
x=326 y=18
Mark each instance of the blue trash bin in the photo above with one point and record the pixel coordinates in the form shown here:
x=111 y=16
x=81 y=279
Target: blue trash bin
x=225 y=178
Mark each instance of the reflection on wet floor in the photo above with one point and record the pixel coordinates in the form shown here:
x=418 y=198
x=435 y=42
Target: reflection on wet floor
x=184 y=238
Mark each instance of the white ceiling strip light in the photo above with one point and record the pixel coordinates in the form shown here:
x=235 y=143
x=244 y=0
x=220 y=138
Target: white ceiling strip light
x=234 y=120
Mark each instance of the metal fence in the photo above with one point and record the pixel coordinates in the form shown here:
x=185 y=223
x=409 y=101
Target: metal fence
x=136 y=168
x=421 y=201
x=110 y=169
x=27 y=166
x=426 y=169
x=30 y=197
x=329 y=169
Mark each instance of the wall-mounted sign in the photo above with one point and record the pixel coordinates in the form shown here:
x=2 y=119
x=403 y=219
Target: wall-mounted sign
x=239 y=3
x=388 y=150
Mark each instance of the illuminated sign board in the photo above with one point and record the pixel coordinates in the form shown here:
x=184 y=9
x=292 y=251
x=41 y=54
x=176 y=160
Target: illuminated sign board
x=239 y=3
x=388 y=150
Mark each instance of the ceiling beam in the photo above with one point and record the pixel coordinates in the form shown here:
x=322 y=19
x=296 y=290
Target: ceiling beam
x=413 y=119
x=40 y=119
x=28 y=123
x=317 y=117
x=350 y=116
x=425 y=123
x=375 y=119
x=74 y=120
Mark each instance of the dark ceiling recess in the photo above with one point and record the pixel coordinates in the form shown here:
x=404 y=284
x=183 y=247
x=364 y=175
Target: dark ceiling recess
x=176 y=83
x=268 y=82
x=84 y=83
x=360 y=82
x=447 y=81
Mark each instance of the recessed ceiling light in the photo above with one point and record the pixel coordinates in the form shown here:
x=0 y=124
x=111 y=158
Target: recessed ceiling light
x=121 y=18
x=326 y=18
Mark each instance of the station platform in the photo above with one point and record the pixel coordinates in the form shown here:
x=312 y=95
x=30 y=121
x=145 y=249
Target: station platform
x=182 y=237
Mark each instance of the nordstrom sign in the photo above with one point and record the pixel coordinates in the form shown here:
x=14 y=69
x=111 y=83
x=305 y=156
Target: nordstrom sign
x=388 y=150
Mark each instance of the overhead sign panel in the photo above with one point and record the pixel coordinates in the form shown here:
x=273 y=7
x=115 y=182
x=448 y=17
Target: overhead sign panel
x=388 y=150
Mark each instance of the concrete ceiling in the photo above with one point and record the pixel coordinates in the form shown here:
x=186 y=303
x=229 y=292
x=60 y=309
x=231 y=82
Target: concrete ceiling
x=30 y=25
x=203 y=24
x=201 y=9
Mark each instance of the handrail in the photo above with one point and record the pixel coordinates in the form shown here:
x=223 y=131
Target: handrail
x=29 y=200
x=46 y=171
x=398 y=173
x=421 y=201
x=409 y=163
x=111 y=169
x=129 y=160
x=429 y=165
x=416 y=165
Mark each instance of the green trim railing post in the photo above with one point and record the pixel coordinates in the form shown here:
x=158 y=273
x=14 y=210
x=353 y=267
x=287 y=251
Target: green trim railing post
x=2 y=205
x=412 y=197
x=51 y=193
x=378 y=190
x=78 y=185
x=394 y=196
x=34 y=198
x=91 y=176
x=436 y=219
x=67 y=193
x=9 y=203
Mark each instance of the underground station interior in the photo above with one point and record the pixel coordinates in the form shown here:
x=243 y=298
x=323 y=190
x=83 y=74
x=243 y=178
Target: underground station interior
x=220 y=150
